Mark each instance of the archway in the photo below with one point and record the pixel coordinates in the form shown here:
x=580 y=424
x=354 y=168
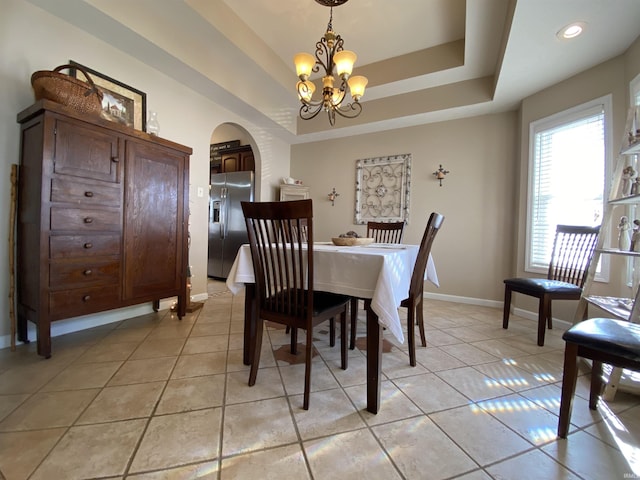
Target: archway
x=233 y=177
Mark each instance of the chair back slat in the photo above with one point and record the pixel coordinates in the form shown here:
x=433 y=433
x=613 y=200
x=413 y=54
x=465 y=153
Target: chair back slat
x=417 y=278
x=385 y=232
x=282 y=258
x=573 y=249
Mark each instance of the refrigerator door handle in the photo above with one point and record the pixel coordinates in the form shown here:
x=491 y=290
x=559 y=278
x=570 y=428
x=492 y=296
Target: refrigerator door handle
x=224 y=204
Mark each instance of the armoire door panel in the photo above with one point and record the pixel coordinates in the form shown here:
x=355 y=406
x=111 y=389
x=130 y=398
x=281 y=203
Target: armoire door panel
x=154 y=220
x=84 y=151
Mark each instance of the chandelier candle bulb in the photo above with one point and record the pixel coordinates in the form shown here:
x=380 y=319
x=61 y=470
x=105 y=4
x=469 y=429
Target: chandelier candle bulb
x=344 y=61
x=304 y=64
x=357 y=84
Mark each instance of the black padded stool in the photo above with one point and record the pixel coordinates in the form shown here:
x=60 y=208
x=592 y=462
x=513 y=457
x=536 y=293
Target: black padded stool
x=602 y=340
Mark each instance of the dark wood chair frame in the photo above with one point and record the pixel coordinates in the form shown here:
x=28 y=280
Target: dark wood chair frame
x=414 y=302
x=616 y=343
x=283 y=270
x=381 y=232
x=573 y=250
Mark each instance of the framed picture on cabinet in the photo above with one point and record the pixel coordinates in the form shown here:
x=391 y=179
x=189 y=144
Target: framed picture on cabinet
x=121 y=103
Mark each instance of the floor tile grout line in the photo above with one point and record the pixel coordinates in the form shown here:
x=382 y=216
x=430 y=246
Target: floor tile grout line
x=393 y=381
x=224 y=398
x=74 y=423
x=136 y=447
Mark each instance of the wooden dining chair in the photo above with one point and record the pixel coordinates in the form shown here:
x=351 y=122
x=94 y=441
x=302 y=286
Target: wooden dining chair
x=573 y=249
x=414 y=302
x=283 y=270
x=381 y=232
x=385 y=232
x=301 y=232
x=601 y=340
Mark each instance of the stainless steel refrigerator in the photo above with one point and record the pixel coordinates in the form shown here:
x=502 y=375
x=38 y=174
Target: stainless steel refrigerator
x=227 y=230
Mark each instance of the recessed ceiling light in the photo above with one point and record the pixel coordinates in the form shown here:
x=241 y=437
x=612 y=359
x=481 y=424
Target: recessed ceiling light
x=571 y=31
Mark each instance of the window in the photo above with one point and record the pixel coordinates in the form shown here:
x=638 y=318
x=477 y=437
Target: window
x=566 y=176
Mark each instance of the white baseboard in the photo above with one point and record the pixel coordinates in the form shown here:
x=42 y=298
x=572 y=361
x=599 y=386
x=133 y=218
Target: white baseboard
x=201 y=297
x=534 y=316
x=529 y=315
x=469 y=300
x=71 y=325
x=62 y=327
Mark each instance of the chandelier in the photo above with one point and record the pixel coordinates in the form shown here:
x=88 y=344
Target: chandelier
x=331 y=56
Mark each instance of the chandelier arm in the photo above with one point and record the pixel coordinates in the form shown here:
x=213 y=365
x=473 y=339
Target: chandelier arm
x=302 y=93
x=322 y=50
x=351 y=110
x=309 y=111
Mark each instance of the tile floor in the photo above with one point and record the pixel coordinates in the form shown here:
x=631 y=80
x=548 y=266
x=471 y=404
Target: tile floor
x=153 y=397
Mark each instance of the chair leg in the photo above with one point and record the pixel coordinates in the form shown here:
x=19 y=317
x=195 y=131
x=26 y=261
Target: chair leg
x=569 y=377
x=411 y=333
x=294 y=341
x=543 y=308
x=596 y=384
x=507 y=307
x=344 y=355
x=307 y=370
x=255 y=358
x=549 y=316
x=353 y=310
x=332 y=332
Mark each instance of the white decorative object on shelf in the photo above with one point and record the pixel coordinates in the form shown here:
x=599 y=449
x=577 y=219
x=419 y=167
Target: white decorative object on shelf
x=624 y=236
x=153 y=127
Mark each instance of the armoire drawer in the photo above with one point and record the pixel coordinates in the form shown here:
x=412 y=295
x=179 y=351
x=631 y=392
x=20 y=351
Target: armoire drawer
x=81 y=301
x=81 y=274
x=87 y=194
x=84 y=219
x=71 y=246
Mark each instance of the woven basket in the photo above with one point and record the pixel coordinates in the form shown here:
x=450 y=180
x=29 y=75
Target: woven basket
x=66 y=90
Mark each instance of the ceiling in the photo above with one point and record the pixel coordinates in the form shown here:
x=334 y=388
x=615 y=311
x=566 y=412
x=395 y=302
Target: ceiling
x=426 y=60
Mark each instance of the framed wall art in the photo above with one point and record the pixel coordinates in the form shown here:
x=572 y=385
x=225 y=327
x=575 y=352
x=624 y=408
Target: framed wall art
x=382 y=189
x=120 y=103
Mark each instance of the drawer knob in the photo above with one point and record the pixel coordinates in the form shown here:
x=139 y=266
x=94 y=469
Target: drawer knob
x=86 y=298
x=88 y=245
x=88 y=194
x=87 y=272
x=88 y=220
x=115 y=159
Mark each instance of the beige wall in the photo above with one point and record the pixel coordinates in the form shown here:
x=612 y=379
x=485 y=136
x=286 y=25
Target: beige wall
x=611 y=77
x=482 y=198
x=472 y=250
x=184 y=116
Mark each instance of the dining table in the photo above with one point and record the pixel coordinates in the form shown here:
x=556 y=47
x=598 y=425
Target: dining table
x=378 y=273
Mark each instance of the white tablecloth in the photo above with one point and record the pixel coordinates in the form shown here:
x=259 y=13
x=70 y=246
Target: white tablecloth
x=380 y=272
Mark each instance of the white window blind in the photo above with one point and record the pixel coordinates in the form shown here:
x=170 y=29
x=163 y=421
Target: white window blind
x=566 y=178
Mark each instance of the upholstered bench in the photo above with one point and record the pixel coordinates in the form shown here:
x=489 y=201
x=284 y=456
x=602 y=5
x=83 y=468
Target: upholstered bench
x=602 y=340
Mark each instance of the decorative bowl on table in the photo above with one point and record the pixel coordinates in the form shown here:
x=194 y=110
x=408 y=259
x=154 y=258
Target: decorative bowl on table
x=351 y=241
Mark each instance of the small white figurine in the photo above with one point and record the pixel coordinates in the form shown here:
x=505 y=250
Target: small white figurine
x=624 y=236
x=628 y=177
